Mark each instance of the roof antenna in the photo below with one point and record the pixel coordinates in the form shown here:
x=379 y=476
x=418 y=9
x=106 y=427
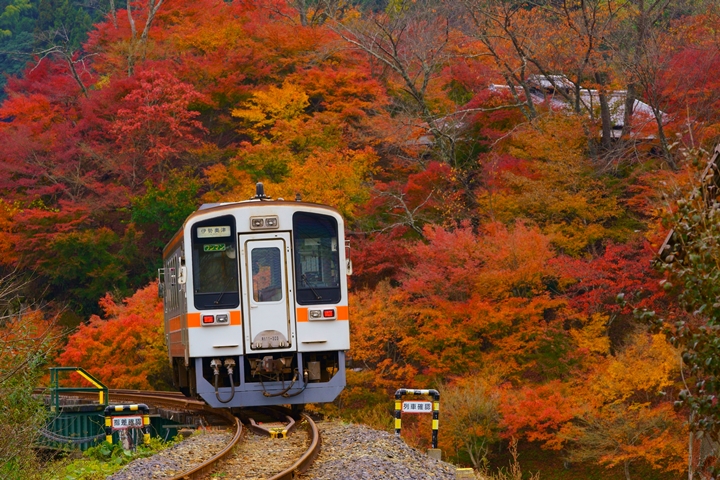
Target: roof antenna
x=298 y=197
x=260 y=192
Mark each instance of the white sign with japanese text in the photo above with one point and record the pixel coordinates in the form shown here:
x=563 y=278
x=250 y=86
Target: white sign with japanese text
x=121 y=423
x=417 y=407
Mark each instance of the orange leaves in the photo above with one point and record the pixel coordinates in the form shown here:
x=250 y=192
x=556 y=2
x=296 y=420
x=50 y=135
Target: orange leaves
x=265 y=108
x=126 y=349
x=468 y=301
x=8 y=252
x=516 y=261
x=622 y=434
x=538 y=412
x=380 y=335
x=36 y=110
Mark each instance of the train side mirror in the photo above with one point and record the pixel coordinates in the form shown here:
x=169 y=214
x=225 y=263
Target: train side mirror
x=348 y=267
x=182 y=276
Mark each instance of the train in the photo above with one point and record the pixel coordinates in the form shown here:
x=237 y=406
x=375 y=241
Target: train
x=255 y=298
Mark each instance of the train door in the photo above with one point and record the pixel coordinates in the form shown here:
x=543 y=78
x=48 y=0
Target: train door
x=267 y=294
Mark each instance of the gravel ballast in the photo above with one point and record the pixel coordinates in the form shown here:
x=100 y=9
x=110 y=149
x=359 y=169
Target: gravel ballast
x=349 y=452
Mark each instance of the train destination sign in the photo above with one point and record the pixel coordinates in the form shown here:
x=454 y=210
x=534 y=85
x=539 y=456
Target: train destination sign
x=127 y=421
x=212 y=232
x=417 y=407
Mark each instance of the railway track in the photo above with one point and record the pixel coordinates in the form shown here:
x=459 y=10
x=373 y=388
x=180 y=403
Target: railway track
x=281 y=425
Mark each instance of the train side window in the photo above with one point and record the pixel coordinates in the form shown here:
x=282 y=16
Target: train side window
x=317 y=260
x=215 y=264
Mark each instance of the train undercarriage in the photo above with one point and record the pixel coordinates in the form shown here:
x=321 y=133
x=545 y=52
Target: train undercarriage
x=279 y=378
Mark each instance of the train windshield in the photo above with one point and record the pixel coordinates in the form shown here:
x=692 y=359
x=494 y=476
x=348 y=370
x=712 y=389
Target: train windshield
x=215 y=265
x=317 y=258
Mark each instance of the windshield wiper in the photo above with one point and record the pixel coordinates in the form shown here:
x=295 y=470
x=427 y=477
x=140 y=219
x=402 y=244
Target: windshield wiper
x=219 y=298
x=304 y=279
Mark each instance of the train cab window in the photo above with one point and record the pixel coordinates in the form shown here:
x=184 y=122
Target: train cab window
x=215 y=264
x=267 y=274
x=317 y=259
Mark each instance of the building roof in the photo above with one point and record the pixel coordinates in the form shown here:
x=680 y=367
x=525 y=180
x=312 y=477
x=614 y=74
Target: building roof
x=544 y=89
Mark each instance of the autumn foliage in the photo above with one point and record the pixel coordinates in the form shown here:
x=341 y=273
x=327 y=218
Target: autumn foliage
x=495 y=218
x=125 y=347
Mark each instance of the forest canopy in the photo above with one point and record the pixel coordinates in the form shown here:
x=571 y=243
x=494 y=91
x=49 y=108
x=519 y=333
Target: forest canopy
x=506 y=169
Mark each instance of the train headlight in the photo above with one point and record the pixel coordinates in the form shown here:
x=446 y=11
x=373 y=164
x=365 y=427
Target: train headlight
x=325 y=314
x=264 y=223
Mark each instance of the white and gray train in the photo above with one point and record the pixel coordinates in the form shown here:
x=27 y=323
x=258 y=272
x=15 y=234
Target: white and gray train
x=256 y=303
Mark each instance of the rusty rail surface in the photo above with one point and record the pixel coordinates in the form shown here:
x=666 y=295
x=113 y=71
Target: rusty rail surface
x=307 y=458
x=208 y=465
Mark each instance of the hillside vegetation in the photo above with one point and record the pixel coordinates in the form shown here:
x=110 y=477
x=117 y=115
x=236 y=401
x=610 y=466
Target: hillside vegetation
x=508 y=171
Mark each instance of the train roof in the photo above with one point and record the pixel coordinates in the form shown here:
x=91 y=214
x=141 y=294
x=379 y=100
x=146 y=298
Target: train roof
x=253 y=202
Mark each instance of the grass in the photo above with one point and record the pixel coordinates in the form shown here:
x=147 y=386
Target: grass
x=97 y=463
x=550 y=466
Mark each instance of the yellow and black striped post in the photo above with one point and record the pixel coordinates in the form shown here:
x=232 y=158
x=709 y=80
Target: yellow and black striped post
x=400 y=393
x=140 y=407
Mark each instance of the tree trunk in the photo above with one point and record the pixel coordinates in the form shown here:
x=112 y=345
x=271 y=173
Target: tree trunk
x=605 y=117
x=691 y=460
x=626 y=468
x=629 y=105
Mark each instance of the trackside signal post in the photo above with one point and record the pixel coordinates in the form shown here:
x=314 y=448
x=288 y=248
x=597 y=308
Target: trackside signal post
x=419 y=406
x=125 y=417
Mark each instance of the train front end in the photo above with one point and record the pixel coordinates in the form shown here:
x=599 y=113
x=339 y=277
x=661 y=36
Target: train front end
x=256 y=305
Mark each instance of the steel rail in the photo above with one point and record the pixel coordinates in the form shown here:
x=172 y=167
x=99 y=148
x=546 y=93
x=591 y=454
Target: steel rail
x=177 y=400
x=304 y=462
x=208 y=465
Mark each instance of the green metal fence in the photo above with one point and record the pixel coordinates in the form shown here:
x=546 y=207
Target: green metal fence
x=80 y=424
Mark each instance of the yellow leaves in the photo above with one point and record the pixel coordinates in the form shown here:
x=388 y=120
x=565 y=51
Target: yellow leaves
x=334 y=178
x=553 y=138
x=103 y=81
x=556 y=186
x=470 y=414
x=237 y=183
x=592 y=337
x=647 y=364
x=265 y=108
